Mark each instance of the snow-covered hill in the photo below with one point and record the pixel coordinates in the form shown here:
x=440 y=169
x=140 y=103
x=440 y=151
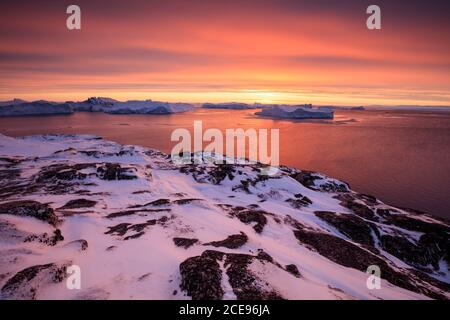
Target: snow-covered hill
x=140 y=227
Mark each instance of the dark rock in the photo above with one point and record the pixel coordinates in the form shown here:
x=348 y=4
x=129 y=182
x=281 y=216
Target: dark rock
x=134 y=236
x=349 y=225
x=245 y=283
x=301 y=201
x=436 y=246
x=262 y=255
x=350 y=255
x=306 y=178
x=141 y=226
x=385 y=212
x=231 y=242
x=429 y=250
x=213 y=174
x=185 y=201
x=9 y=174
x=159 y=202
x=119 y=229
x=292 y=268
x=220 y=172
x=361 y=210
x=132 y=212
x=184 y=242
x=248 y=216
x=409 y=223
x=113 y=171
x=26 y=283
x=63 y=172
x=367 y=199
x=31 y=209
x=122 y=228
x=79 y=203
x=201 y=278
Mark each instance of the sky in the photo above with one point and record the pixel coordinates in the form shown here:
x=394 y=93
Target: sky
x=277 y=51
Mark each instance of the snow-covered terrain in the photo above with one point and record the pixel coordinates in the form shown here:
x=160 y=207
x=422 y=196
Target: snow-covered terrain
x=297 y=112
x=141 y=227
x=95 y=104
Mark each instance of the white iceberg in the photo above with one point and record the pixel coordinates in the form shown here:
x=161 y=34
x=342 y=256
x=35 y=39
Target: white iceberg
x=41 y=107
x=297 y=112
x=230 y=105
x=108 y=105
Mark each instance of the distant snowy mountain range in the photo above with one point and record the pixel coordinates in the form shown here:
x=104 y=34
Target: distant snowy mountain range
x=141 y=227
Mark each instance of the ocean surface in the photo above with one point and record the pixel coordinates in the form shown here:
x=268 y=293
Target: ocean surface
x=401 y=157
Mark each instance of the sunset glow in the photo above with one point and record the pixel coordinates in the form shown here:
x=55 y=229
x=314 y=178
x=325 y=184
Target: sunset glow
x=252 y=51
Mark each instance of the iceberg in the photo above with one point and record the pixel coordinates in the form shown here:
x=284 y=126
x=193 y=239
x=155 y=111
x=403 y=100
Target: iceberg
x=297 y=112
x=108 y=105
x=19 y=107
x=229 y=105
x=41 y=107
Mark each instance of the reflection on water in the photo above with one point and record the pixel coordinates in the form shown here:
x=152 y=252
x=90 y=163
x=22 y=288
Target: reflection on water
x=401 y=157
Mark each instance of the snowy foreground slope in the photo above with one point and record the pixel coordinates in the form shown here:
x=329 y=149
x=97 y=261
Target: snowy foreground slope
x=140 y=227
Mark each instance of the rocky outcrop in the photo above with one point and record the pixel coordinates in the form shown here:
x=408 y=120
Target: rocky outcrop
x=231 y=242
x=351 y=226
x=258 y=217
x=26 y=283
x=201 y=277
x=79 y=203
x=30 y=208
x=113 y=171
x=184 y=242
x=352 y=256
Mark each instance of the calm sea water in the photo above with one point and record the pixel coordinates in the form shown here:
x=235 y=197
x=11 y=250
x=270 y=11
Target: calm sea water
x=401 y=157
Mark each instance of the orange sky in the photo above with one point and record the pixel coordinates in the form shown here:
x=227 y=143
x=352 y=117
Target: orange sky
x=250 y=50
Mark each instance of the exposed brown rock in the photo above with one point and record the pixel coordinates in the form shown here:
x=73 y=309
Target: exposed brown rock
x=201 y=278
x=350 y=225
x=350 y=255
x=25 y=284
x=31 y=209
x=292 y=268
x=79 y=203
x=231 y=242
x=114 y=171
x=184 y=242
